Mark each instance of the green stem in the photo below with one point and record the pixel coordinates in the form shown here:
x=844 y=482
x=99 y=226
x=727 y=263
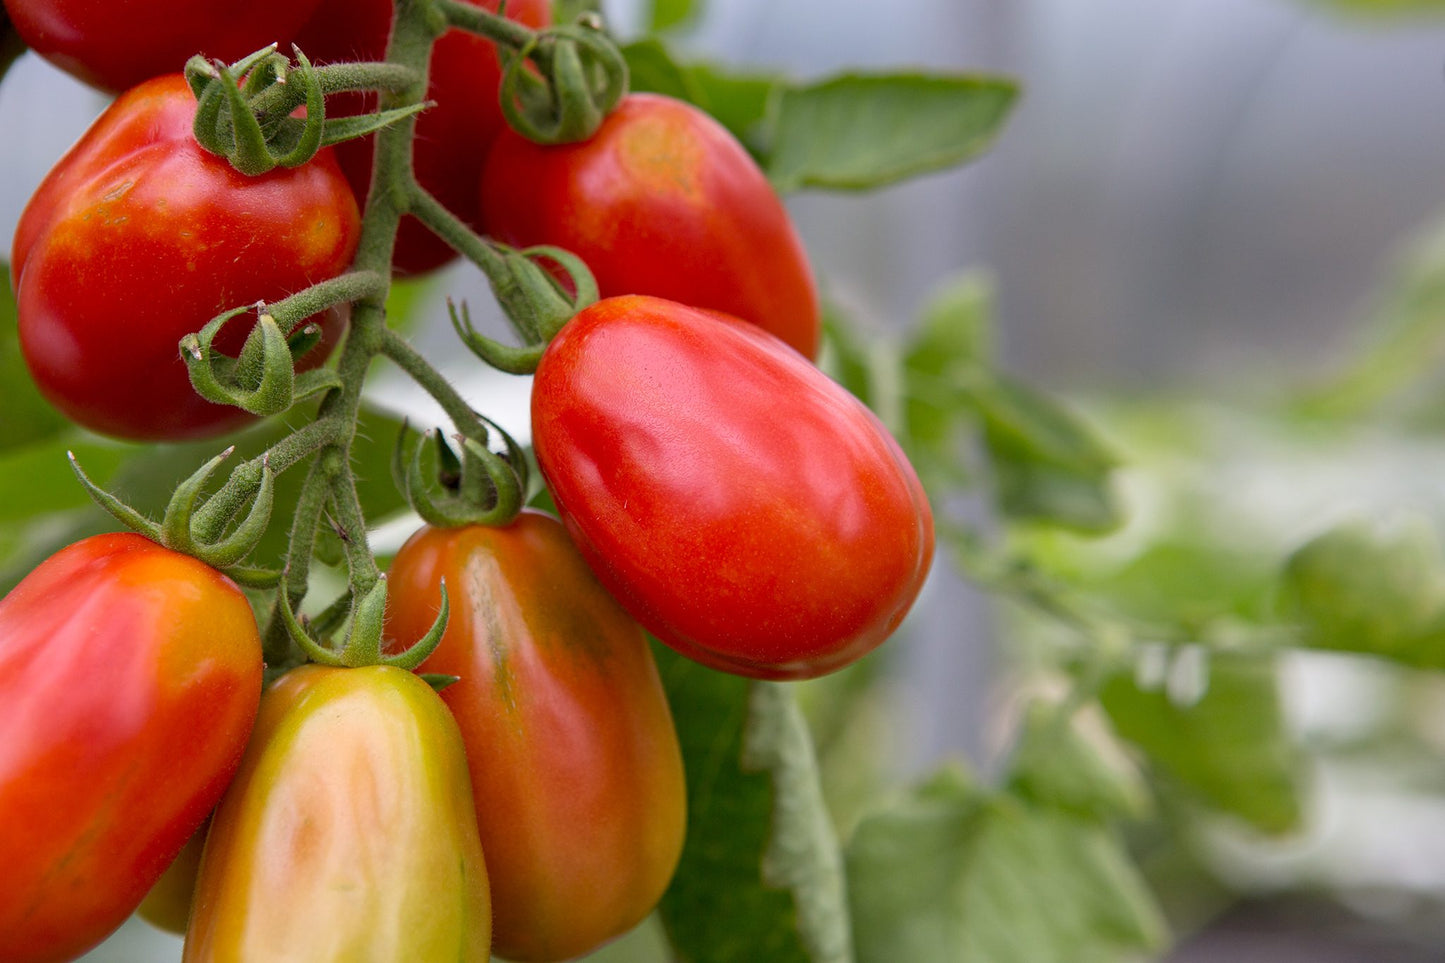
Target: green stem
x=421 y=371
x=210 y=521
x=484 y=23
x=279 y=100
x=471 y=245
x=350 y=287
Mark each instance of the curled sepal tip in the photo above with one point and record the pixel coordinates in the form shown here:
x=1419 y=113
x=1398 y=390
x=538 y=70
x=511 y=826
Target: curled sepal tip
x=247 y=534
x=181 y=509
x=503 y=357
x=438 y=680
x=256 y=141
x=488 y=489
x=315 y=651
x=262 y=380
x=118 y=509
x=416 y=654
x=584 y=76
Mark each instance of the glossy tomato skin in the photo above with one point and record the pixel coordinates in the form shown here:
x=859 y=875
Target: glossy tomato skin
x=114 y=45
x=573 y=754
x=348 y=832
x=452 y=138
x=129 y=679
x=743 y=507
x=662 y=200
x=138 y=237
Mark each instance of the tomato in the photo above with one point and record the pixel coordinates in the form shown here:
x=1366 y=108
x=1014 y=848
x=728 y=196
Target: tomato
x=129 y=679
x=138 y=237
x=743 y=507
x=168 y=904
x=662 y=201
x=117 y=45
x=575 y=761
x=348 y=833
x=452 y=138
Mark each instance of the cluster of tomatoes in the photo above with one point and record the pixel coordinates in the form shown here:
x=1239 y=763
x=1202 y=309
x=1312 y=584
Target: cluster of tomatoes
x=712 y=487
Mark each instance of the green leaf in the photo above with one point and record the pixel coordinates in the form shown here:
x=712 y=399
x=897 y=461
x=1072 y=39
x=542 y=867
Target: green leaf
x=845 y=354
x=1354 y=589
x=1383 y=8
x=950 y=875
x=25 y=416
x=760 y=878
x=567 y=11
x=860 y=132
x=1055 y=764
x=667 y=14
x=1048 y=466
x=652 y=69
x=737 y=101
x=948 y=355
x=1227 y=748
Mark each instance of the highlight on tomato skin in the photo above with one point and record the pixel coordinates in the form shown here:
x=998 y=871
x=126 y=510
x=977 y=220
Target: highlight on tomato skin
x=452 y=138
x=348 y=832
x=129 y=679
x=742 y=506
x=662 y=201
x=573 y=754
x=138 y=237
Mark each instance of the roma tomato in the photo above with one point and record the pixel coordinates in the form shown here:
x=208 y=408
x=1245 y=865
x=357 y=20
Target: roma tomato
x=662 y=201
x=138 y=237
x=452 y=138
x=574 y=758
x=129 y=679
x=742 y=506
x=348 y=833
x=117 y=45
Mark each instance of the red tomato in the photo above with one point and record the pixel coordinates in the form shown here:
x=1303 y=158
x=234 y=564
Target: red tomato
x=743 y=507
x=129 y=679
x=578 y=775
x=452 y=138
x=115 y=45
x=662 y=201
x=138 y=237
x=347 y=833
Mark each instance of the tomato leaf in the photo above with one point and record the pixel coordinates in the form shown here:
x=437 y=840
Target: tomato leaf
x=1055 y=764
x=1353 y=589
x=761 y=872
x=667 y=14
x=1048 y=465
x=738 y=101
x=948 y=354
x=1385 y=8
x=24 y=415
x=950 y=874
x=859 y=132
x=651 y=68
x=1225 y=747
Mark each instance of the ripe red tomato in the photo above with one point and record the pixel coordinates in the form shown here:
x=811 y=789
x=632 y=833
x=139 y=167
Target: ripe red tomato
x=662 y=201
x=743 y=507
x=129 y=679
x=348 y=833
x=452 y=138
x=138 y=237
x=117 y=45
x=578 y=774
